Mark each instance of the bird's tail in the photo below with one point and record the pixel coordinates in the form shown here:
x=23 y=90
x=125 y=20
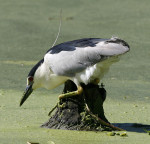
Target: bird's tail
x=113 y=46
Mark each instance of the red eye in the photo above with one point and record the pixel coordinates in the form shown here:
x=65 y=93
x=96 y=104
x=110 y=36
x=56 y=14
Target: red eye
x=30 y=79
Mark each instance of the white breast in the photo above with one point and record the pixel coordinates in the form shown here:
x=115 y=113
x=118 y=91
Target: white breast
x=54 y=80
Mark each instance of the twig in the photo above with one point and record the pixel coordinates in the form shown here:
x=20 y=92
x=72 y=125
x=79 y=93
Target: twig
x=52 y=109
x=102 y=121
x=58 y=28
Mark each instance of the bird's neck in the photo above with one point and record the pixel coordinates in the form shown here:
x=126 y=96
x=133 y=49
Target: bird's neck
x=42 y=74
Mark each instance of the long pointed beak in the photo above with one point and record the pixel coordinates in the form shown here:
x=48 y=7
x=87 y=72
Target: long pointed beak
x=26 y=94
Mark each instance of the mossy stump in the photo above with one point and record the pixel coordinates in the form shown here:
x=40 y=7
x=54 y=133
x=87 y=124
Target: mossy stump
x=81 y=112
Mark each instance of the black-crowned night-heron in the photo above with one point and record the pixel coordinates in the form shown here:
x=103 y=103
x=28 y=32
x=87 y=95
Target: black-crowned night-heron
x=82 y=61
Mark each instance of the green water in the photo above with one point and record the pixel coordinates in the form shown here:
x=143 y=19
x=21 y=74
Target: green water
x=28 y=29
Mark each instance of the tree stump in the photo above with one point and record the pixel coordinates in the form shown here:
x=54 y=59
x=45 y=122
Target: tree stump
x=81 y=112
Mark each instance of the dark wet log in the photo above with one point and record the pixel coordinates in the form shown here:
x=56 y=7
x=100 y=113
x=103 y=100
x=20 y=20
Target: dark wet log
x=81 y=112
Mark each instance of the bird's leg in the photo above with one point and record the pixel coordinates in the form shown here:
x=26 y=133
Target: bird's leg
x=69 y=94
x=96 y=81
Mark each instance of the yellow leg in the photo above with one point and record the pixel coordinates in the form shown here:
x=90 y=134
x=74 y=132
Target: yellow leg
x=69 y=94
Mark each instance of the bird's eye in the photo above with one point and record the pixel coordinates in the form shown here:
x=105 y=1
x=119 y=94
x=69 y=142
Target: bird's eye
x=30 y=79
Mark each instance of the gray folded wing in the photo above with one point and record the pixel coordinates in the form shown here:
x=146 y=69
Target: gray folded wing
x=69 y=58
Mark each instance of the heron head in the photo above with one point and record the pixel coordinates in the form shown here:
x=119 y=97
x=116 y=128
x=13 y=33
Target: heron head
x=31 y=82
x=28 y=90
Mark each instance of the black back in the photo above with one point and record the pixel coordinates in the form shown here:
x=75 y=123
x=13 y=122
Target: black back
x=71 y=45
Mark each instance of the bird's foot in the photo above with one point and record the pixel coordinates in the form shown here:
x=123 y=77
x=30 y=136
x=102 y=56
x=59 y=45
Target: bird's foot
x=70 y=94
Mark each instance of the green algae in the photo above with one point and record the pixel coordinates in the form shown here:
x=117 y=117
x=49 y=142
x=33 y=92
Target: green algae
x=147 y=131
x=28 y=29
x=111 y=133
x=19 y=62
x=20 y=125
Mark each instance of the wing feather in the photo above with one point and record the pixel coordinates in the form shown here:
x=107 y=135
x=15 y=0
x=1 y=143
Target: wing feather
x=72 y=57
